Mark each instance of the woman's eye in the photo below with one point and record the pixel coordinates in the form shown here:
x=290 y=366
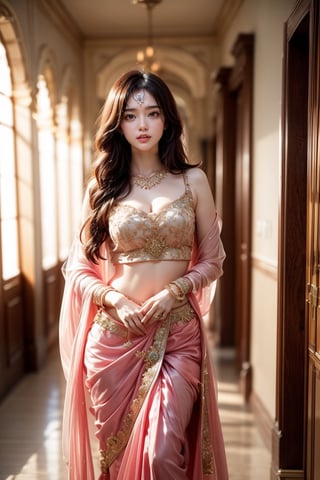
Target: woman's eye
x=154 y=113
x=129 y=116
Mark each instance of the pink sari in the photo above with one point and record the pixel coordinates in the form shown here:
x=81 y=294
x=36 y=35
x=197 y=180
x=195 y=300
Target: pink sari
x=153 y=397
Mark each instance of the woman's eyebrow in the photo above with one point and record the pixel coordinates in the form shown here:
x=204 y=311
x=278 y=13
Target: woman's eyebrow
x=135 y=108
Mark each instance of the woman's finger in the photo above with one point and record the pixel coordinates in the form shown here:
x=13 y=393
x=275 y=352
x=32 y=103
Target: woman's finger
x=136 y=326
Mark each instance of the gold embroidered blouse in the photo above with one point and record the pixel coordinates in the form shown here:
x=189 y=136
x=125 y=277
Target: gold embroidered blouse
x=138 y=236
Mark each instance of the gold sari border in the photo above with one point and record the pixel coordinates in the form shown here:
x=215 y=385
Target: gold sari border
x=116 y=443
x=108 y=323
x=153 y=358
x=183 y=313
x=208 y=458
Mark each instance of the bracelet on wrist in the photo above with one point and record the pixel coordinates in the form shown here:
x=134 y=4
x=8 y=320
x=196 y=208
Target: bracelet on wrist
x=184 y=284
x=100 y=293
x=179 y=288
x=175 y=291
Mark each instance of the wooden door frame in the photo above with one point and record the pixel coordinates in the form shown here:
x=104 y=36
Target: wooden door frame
x=312 y=442
x=234 y=166
x=224 y=317
x=241 y=87
x=288 y=438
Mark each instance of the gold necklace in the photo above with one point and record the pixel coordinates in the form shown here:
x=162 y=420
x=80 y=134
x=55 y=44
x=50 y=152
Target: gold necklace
x=149 y=182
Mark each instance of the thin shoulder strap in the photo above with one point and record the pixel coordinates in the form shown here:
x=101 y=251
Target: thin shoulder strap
x=186 y=182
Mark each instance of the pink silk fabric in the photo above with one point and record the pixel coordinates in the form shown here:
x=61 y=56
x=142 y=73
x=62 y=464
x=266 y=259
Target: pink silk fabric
x=115 y=375
x=179 y=404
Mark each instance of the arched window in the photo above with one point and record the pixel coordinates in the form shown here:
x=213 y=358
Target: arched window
x=63 y=176
x=47 y=173
x=69 y=173
x=8 y=194
x=76 y=180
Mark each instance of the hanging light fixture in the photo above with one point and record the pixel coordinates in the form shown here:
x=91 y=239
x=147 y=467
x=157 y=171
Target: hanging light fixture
x=146 y=58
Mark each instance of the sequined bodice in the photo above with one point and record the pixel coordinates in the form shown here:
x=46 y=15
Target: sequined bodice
x=139 y=236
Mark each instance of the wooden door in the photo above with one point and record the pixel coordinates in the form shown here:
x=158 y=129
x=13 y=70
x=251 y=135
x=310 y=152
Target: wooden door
x=12 y=344
x=241 y=88
x=53 y=288
x=233 y=196
x=224 y=318
x=289 y=440
x=313 y=256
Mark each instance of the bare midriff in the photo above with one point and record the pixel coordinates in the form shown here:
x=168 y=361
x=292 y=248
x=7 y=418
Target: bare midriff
x=141 y=280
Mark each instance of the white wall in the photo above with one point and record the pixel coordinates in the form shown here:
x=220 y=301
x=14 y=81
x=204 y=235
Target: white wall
x=264 y=18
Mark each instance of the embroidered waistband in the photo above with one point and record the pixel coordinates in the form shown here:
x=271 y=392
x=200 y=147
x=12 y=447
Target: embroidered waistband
x=155 y=248
x=183 y=313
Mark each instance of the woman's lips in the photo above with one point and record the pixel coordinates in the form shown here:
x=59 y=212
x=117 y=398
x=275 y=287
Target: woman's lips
x=143 y=138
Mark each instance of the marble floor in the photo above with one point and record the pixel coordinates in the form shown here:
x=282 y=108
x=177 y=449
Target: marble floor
x=30 y=422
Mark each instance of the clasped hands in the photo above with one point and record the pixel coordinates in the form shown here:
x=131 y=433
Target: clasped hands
x=137 y=317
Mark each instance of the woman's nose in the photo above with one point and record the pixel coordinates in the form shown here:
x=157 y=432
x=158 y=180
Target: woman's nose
x=143 y=122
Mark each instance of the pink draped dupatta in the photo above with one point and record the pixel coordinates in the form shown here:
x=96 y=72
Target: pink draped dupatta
x=131 y=391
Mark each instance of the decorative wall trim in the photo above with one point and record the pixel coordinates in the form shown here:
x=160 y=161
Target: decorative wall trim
x=263 y=419
x=265 y=266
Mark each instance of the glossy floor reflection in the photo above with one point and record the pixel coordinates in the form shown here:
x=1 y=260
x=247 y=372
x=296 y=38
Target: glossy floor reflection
x=248 y=458
x=30 y=419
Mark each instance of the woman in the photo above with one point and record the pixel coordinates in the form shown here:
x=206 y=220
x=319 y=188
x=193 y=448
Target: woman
x=138 y=281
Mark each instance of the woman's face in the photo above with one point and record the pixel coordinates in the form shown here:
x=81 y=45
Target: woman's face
x=142 y=122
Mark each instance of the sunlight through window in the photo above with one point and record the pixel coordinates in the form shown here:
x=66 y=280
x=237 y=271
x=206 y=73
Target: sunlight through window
x=8 y=200
x=63 y=173
x=76 y=180
x=46 y=146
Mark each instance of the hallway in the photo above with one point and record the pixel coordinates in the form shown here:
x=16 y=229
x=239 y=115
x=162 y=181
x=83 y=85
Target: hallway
x=245 y=76
x=30 y=418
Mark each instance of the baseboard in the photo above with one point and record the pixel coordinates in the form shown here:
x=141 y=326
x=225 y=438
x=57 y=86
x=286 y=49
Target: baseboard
x=288 y=475
x=263 y=419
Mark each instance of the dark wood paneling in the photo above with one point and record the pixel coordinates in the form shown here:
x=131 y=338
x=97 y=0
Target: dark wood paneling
x=14 y=332
x=313 y=440
x=316 y=449
x=313 y=254
x=241 y=86
x=225 y=200
x=52 y=279
x=12 y=346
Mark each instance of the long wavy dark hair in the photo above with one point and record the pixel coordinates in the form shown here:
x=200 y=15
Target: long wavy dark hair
x=112 y=171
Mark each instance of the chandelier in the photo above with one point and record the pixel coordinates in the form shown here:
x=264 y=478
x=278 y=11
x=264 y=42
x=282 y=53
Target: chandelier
x=146 y=57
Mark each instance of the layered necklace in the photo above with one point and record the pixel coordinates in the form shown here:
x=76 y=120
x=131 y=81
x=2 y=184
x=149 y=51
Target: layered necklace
x=149 y=182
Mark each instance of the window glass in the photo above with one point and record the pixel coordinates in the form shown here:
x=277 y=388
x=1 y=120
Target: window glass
x=8 y=193
x=46 y=145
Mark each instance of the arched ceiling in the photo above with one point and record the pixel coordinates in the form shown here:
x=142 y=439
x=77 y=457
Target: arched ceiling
x=177 y=63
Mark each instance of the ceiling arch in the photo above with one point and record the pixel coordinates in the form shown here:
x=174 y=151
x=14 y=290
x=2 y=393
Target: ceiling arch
x=177 y=62
x=10 y=35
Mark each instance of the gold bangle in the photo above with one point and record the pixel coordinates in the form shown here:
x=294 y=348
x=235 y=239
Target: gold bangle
x=178 y=288
x=97 y=294
x=175 y=291
x=100 y=293
x=184 y=284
